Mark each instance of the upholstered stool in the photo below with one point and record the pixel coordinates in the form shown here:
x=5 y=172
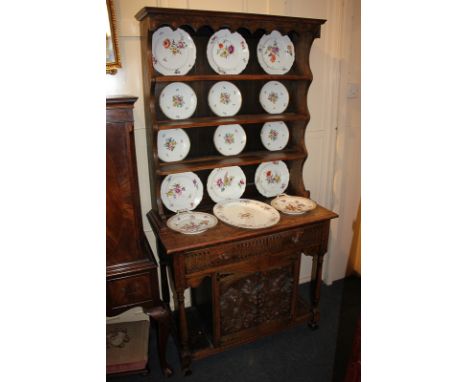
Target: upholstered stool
x=127 y=337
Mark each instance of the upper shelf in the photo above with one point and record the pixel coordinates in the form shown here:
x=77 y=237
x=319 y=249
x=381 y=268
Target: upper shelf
x=237 y=119
x=232 y=77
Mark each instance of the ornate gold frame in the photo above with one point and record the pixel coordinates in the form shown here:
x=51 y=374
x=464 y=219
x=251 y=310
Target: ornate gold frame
x=112 y=66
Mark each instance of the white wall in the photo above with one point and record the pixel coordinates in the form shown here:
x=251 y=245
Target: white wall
x=323 y=100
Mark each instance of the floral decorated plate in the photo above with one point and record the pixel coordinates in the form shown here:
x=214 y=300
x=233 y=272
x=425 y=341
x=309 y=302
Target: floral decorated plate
x=246 y=213
x=275 y=53
x=293 y=205
x=174 y=52
x=274 y=97
x=224 y=99
x=229 y=139
x=178 y=101
x=227 y=53
x=272 y=178
x=226 y=183
x=173 y=145
x=274 y=135
x=183 y=191
x=191 y=223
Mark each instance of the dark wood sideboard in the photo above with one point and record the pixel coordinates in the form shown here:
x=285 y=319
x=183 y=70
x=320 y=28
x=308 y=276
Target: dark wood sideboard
x=244 y=283
x=132 y=278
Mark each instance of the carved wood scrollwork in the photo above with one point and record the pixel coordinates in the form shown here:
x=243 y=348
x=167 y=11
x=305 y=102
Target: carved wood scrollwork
x=249 y=300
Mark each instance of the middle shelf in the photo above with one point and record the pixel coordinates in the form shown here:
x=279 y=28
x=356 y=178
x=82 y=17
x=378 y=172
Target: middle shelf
x=243 y=159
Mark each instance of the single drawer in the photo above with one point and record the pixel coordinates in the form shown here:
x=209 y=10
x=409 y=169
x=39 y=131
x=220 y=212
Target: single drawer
x=296 y=239
x=129 y=290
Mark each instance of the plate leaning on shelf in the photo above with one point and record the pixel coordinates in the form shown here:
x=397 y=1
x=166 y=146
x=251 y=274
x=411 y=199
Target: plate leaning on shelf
x=293 y=205
x=274 y=97
x=227 y=53
x=174 y=52
x=183 y=191
x=275 y=53
x=229 y=139
x=226 y=183
x=272 y=178
x=191 y=223
x=246 y=213
x=173 y=145
x=178 y=100
x=224 y=99
x=274 y=135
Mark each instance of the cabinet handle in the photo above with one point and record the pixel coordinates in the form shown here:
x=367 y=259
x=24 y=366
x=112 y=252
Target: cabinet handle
x=295 y=238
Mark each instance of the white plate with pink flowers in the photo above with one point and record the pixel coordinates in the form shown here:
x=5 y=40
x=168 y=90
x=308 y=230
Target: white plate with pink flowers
x=272 y=178
x=226 y=183
x=293 y=205
x=274 y=97
x=191 y=223
x=230 y=139
x=246 y=213
x=224 y=99
x=182 y=191
x=174 y=52
x=227 y=53
x=274 y=135
x=275 y=53
x=178 y=101
x=173 y=145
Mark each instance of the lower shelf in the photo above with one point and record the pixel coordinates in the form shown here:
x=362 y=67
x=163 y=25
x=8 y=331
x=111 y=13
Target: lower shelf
x=200 y=338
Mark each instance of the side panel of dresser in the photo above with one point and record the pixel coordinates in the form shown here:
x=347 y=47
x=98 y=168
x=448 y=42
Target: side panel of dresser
x=131 y=269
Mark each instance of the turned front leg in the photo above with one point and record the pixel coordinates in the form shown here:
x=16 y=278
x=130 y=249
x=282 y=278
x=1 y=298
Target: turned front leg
x=315 y=290
x=161 y=316
x=186 y=357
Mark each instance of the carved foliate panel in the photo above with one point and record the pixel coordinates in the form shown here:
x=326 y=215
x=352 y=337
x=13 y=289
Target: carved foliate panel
x=254 y=299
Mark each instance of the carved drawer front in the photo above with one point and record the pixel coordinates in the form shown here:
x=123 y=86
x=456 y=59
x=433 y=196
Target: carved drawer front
x=130 y=290
x=250 y=300
x=200 y=260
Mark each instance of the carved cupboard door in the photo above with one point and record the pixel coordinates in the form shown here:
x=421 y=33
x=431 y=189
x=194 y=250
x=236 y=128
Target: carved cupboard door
x=249 y=300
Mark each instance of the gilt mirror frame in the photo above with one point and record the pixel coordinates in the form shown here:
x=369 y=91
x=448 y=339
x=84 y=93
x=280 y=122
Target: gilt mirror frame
x=112 y=43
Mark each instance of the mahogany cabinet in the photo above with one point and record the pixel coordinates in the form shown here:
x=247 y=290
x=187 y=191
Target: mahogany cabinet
x=244 y=283
x=132 y=278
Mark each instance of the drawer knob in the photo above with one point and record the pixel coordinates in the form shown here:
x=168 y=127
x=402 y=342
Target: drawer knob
x=295 y=238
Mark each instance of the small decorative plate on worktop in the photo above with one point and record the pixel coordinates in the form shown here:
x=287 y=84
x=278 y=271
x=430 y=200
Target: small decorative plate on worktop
x=293 y=205
x=191 y=223
x=246 y=213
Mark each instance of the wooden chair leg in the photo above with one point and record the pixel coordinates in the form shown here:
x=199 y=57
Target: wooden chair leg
x=162 y=317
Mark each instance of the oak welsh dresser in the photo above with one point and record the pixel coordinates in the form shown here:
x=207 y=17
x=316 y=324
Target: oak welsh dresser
x=244 y=283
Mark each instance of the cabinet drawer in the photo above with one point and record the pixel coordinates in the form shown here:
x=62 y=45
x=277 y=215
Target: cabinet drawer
x=307 y=237
x=130 y=290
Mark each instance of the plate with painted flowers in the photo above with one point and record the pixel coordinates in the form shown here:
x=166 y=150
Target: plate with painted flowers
x=224 y=99
x=274 y=97
x=272 y=178
x=182 y=191
x=174 y=51
x=275 y=53
x=274 y=135
x=178 y=101
x=191 y=223
x=230 y=139
x=293 y=205
x=226 y=183
x=173 y=145
x=246 y=213
x=227 y=53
